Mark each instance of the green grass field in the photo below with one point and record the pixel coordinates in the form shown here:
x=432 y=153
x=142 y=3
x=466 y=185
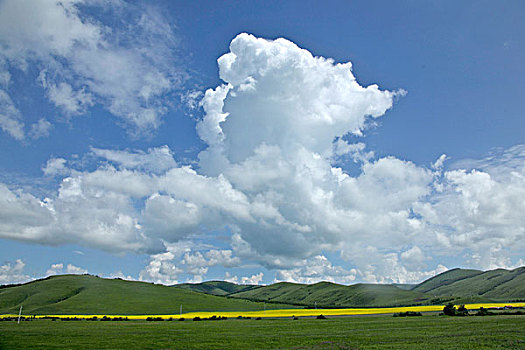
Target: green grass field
x=364 y=332
x=84 y=294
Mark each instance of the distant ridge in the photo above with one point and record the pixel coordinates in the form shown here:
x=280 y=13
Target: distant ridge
x=326 y=294
x=493 y=285
x=458 y=285
x=85 y=294
x=445 y=278
x=216 y=287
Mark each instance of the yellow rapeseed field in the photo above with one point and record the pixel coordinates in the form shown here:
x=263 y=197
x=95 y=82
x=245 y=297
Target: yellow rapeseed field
x=293 y=312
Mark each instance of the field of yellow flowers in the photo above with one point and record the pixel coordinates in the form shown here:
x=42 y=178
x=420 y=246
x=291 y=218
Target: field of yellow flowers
x=294 y=312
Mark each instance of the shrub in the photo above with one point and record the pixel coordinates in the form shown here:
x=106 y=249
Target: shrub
x=321 y=317
x=197 y=318
x=483 y=312
x=449 y=309
x=462 y=311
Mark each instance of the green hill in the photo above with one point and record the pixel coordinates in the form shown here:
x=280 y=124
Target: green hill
x=85 y=294
x=494 y=285
x=74 y=294
x=326 y=294
x=216 y=287
x=458 y=285
x=445 y=278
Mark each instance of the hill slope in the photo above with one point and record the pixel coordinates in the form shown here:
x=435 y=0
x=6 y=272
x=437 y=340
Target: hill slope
x=445 y=278
x=458 y=285
x=215 y=287
x=326 y=294
x=494 y=285
x=74 y=294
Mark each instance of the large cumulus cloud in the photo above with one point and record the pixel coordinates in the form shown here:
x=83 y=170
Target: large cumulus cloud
x=270 y=179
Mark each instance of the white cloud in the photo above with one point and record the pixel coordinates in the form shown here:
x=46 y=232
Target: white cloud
x=295 y=100
x=480 y=212
x=40 y=129
x=63 y=96
x=158 y=159
x=24 y=217
x=75 y=270
x=13 y=273
x=55 y=269
x=55 y=166
x=253 y=279
x=229 y=278
x=161 y=270
x=222 y=257
x=185 y=257
x=314 y=270
x=438 y=164
x=120 y=274
x=58 y=269
x=126 y=65
x=269 y=176
x=10 y=117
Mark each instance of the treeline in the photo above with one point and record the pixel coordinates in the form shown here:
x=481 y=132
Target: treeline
x=450 y=310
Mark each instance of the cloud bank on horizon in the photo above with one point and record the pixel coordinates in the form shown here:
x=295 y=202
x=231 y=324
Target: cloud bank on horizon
x=279 y=132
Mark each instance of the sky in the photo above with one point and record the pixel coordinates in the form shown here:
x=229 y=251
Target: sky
x=261 y=141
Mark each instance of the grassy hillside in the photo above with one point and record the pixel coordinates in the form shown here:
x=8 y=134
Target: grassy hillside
x=458 y=285
x=73 y=294
x=215 y=287
x=445 y=278
x=326 y=294
x=493 y=285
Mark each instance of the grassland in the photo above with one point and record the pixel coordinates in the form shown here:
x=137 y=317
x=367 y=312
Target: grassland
x=328 y=294
x=274 y=313
x=85 y=294
x=363 y=332
x=216 y=287
x=88 y=295
x=492 y=285
x=456 y=285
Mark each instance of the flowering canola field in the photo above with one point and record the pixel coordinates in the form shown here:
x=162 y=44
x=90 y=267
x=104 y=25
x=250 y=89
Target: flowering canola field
x=293 y=312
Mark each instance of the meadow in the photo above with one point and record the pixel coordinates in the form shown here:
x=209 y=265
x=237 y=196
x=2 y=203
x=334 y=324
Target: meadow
x=354 y=332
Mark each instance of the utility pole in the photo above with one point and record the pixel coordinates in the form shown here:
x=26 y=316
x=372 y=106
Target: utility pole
x=180 y=310
x=19 y=314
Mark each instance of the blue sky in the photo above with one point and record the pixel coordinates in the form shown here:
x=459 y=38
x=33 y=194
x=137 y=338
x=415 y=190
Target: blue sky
x=127 y=149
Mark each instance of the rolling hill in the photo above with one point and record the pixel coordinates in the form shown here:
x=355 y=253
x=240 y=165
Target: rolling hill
x=444 y=279
x=494 y=285
x=85 y=294
x=458 y=285
x=326 y=294
x=216 y=287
